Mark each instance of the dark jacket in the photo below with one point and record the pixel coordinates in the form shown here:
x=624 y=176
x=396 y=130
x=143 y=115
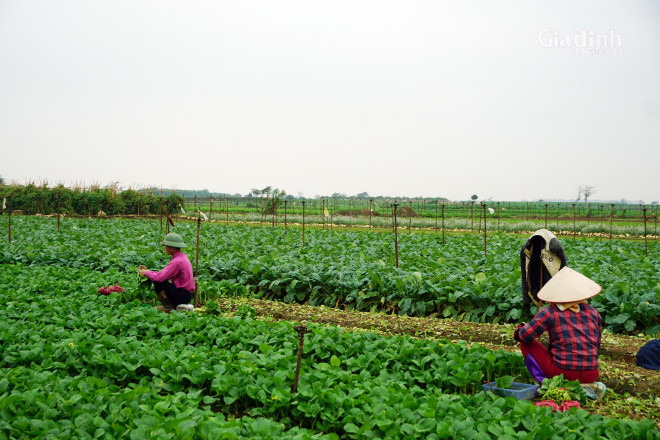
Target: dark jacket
x=541 y=257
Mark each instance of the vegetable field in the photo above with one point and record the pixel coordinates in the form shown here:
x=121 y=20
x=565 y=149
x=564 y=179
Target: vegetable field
x=78 y=364
x=356 y=270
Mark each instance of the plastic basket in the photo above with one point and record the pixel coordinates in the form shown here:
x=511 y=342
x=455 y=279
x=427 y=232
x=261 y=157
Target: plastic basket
x=520 y=391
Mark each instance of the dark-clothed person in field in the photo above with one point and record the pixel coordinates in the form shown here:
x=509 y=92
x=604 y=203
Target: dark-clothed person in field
x=573 y=327
x=541 y=257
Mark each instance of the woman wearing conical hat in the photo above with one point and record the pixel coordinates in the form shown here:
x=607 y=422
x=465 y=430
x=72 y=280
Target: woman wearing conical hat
x=573 y=326
x=173 y=284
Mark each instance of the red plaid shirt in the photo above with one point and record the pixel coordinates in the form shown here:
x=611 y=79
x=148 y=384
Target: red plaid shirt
x=574 y=337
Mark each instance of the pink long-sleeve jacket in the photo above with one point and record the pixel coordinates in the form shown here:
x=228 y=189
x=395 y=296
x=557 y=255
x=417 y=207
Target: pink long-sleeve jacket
x=179 y=270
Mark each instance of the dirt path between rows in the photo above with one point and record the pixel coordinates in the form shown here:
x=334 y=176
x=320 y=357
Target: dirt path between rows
x=617 y=354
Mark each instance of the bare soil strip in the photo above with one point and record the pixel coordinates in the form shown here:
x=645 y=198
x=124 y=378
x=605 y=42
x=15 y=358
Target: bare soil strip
x=617 y=354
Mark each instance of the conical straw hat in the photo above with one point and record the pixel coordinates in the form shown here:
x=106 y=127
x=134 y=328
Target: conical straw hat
x=568 y=286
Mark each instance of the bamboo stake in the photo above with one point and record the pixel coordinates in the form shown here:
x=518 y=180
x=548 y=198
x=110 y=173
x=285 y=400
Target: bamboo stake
x=303 y=224
x=396 y=238
x=443 y=223
x=574 y=231
x=371 y=201
x=646 y=243
x=301 y=329
x=9 y=224
x=484 y=206
x=199 y=223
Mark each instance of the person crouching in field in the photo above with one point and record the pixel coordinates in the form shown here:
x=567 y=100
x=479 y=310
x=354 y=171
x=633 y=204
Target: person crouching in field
x=176 y=293
x=574 y=330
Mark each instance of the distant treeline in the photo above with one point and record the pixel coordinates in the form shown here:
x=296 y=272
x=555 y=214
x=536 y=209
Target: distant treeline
x=33 y=199
x=205 y=194
x=186 y=193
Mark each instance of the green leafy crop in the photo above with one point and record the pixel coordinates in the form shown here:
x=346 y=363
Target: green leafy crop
x=353 y=270
x=77 y=364
x=558 y=388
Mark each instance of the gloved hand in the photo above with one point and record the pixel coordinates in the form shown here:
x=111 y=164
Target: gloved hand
x=516 y=335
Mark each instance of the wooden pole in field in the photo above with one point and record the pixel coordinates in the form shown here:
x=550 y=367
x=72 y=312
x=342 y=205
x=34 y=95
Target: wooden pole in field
x=396 y=238
x=483 y=204
x=574 y=231
x=263 y=212
x=646 y=243
x=410 y=218
x=443 y=223
x=611 y=218
x=285 y=203
x=546 y=216
x=479 y=227
x=371 y=211
x=9 y=224
x=301 y=329
x=227 y=207
x=199 y=224
x=303 y=225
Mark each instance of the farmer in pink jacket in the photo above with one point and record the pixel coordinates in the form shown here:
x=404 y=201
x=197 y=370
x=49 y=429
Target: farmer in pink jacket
x=178 y=292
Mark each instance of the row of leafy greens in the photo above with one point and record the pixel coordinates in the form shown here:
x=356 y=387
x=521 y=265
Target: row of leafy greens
x=77 y=364
x=355 y=270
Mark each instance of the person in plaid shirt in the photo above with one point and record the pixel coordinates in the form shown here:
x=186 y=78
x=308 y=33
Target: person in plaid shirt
x=573 y=326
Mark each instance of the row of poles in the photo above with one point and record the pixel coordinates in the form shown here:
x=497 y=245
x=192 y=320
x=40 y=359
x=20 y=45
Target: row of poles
x=168 y=221
x=525 y=212
x=326 y=213
x=467 y=208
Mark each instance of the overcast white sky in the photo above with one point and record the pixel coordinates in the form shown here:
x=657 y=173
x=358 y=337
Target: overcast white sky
x=408 y=98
